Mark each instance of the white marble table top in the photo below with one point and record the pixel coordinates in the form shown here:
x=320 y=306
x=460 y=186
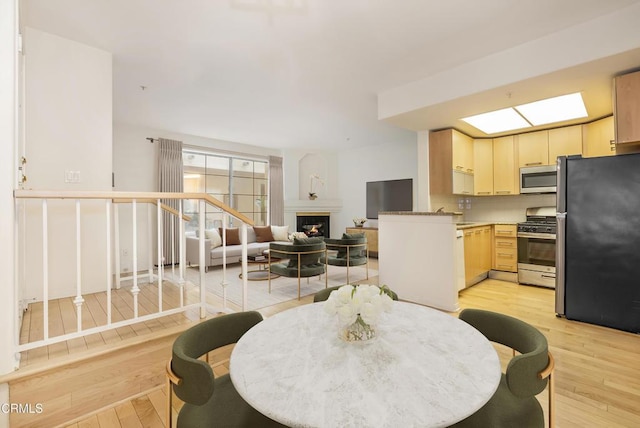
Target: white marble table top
x=425 y=368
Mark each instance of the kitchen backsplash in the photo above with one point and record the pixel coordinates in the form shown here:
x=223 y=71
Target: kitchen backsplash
x=502 y=208
x=492 y=208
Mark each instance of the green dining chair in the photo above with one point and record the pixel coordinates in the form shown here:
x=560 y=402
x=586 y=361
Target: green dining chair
x=323 y=295
x=514 y=404
x=210 y=401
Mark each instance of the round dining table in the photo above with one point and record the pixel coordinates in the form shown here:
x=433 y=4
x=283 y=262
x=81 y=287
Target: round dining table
x=424 y=368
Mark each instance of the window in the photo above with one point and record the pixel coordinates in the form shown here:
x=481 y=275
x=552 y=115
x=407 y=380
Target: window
x=240 y=183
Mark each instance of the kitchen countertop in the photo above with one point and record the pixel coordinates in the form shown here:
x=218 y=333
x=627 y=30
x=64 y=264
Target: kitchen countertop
x=470 y=224
x=451 y=213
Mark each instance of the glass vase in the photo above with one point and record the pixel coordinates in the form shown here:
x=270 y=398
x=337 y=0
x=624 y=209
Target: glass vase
x=359 y=331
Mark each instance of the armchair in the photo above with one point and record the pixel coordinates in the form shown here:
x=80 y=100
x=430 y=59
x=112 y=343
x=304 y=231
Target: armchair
x=352 y=250
x=303 y=259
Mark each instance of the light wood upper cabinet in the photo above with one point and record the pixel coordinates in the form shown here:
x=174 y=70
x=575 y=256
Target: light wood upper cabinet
x=627 y=108
x=599 y=138
x=533 y=149
x=450 y=163
x=462 y=152
x=505 y=168
x=564 y=141
x=483 y=167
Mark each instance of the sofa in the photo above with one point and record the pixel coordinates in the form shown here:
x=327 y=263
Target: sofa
x=256 y=243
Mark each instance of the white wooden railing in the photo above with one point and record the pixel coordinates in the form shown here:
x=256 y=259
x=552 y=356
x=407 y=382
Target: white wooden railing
x=114 y=278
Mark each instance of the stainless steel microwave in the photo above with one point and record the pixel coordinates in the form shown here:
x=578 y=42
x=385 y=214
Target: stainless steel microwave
x=538 y=179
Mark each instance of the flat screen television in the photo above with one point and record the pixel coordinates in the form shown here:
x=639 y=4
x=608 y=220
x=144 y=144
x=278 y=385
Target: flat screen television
x=389 y=195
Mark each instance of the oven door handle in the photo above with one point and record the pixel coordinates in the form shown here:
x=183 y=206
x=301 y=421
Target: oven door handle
x=549 y=236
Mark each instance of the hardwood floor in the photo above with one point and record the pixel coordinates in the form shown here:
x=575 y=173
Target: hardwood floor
x=597 y=373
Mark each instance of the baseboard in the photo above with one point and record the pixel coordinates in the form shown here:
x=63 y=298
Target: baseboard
x=503 y=276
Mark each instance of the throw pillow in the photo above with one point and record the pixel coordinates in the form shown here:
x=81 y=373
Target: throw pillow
x=280 y=233
x=213 y=236
x=305 y=259
x=353 y=251
x=306 y=241
x=233 y=235
x=263 y=233
x=352 y=235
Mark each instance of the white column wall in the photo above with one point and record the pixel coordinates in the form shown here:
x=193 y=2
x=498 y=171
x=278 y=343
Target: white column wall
x=68 y=127
x=8 y=139
x=424 y=202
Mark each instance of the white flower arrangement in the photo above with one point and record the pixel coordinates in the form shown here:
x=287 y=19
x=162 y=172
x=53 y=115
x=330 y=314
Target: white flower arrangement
x=312 y=179
x=359 y=221
x=353 y=303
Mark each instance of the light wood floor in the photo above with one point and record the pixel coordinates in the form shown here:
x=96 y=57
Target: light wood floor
x=597 y=371
x=63 y=320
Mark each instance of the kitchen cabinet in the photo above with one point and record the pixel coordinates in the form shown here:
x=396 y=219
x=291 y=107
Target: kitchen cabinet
x=599 y=138
x=505 y=247
x=462 y=183
x=450 y=163
x=477 y=254
x=564 y=141
x=462 y=152
x=543 y=147
x=533 y=149
x=505 y=167
x=483 y=167
x=371 y=233
x=627 y=108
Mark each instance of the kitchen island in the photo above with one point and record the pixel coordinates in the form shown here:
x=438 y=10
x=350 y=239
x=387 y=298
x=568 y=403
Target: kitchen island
x=417 y=257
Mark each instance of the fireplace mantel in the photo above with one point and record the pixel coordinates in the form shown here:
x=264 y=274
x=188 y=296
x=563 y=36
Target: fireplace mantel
x=307 y=205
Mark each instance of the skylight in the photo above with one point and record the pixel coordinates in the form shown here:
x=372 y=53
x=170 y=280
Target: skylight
x=550 y=110
x=497 y=121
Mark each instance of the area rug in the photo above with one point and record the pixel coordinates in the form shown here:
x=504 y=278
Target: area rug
x=282 y=288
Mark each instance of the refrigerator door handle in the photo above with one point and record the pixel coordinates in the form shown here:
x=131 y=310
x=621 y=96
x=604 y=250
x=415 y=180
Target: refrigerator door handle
x=560 y=262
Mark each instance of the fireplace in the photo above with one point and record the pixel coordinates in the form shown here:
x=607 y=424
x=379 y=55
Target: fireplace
x=313 y=224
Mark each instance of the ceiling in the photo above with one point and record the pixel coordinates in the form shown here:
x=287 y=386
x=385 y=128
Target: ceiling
x=306 y=73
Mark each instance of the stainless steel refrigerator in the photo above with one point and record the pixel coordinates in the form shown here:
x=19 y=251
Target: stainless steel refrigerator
x=598 y=240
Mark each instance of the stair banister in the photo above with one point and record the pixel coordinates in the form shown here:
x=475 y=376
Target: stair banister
x=79 y=300
x=109 y=277
x=161 y=258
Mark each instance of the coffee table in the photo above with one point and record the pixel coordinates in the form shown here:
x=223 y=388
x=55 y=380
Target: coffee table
x=262 y=272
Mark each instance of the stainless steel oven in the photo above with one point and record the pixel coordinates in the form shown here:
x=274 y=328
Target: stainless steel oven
x=537 y=248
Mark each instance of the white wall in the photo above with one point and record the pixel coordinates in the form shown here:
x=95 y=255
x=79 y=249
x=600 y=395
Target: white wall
x=390 y=161
x=68 y=121
x=135 y=160
x=298 y=165
x=8 y=138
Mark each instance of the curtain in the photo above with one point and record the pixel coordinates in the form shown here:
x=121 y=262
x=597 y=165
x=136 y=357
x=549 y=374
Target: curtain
x=276 y=191
x=170 y=179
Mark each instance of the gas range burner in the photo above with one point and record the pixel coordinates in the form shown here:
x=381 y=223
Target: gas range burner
x=539 y=220
x=537 y=227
